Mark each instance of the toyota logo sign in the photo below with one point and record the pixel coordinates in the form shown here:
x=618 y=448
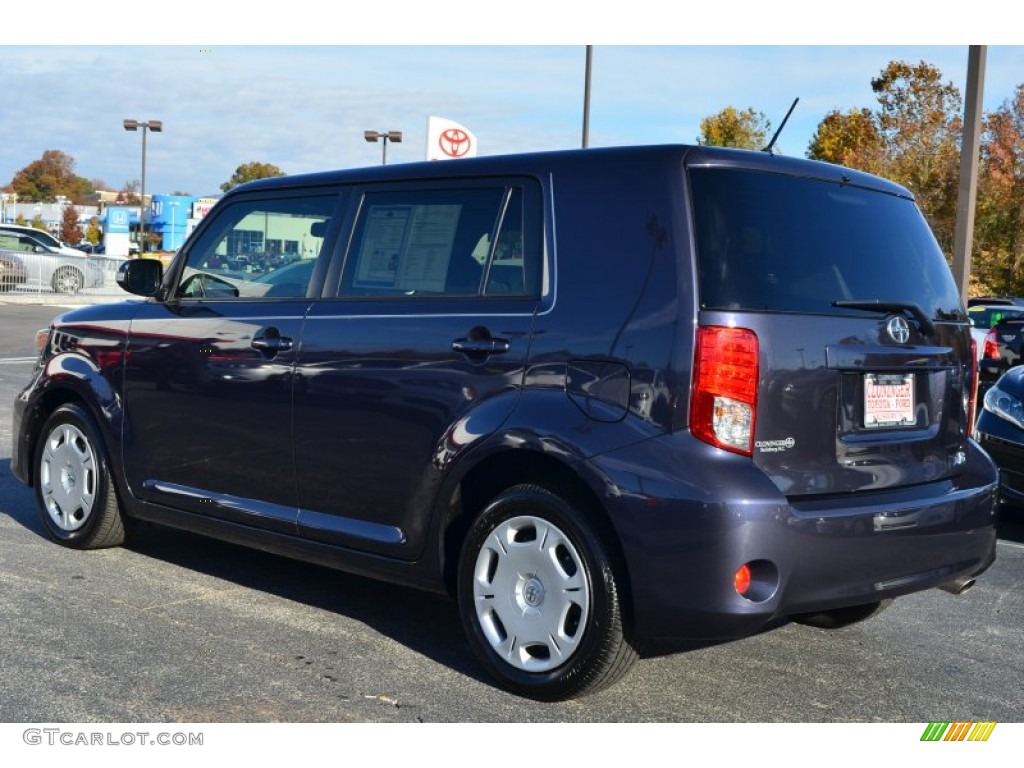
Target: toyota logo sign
x=454 y=142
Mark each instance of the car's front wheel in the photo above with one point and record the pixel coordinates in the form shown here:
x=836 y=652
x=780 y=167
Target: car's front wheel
x=74 y=490
x=541 y=598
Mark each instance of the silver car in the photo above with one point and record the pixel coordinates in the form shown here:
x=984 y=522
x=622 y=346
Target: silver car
x=49 y=269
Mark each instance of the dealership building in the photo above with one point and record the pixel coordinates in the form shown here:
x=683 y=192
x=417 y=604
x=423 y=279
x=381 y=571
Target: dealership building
x=172 y=217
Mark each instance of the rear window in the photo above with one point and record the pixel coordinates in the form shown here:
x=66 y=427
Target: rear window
x=987 y=317
x=769 y=242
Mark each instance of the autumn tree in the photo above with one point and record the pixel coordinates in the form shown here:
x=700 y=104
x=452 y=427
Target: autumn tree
x=849 y=138
x=93 y=231
x=732 y=128
x=251 y=172
x=921 y=124
x=50 y=177
x=913 y=138
x=129 y=193
x=998 y=257
x=70 y=226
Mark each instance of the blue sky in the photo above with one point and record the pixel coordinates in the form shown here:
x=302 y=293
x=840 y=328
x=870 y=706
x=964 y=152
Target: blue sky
x=303 y=102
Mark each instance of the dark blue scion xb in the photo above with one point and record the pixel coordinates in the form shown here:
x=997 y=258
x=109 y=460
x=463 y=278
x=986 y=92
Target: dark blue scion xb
x=600 y=397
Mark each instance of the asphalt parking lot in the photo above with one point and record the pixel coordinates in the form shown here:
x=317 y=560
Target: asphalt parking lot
x=177 y=628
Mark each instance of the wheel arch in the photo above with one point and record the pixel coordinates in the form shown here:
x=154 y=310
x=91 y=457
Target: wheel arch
x=49 y=401
x=510 y=467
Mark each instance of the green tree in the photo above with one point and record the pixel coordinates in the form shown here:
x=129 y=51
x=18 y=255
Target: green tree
x=51 y=176
x=732 y=128
x=250 y=172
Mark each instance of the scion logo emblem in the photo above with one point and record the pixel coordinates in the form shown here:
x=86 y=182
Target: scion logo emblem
x=454 y=142
x=898 y=328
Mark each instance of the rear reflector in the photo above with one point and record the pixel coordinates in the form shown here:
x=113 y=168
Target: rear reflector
x=741 y=580
x=723 y=408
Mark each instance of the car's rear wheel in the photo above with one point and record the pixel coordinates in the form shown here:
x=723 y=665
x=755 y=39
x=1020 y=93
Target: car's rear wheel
x=540 y=597
x=77 y=501
x=67 y=280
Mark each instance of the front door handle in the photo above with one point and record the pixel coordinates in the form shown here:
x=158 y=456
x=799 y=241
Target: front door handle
x=270 y=342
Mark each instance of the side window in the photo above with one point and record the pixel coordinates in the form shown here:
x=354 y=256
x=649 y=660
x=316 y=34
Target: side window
x=507 y=273
x=258 y=249
x=440 y=242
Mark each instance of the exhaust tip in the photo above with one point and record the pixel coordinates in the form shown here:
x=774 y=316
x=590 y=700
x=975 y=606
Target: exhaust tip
x=958 y=586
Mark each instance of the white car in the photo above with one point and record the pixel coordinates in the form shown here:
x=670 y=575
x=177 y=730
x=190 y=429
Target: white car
x=43 y=237
x=48 y=268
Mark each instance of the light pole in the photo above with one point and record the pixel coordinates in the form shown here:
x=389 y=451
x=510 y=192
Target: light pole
x=156 y=126
x=385 y=136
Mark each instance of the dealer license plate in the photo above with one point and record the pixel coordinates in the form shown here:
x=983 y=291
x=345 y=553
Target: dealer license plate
x=889 y=400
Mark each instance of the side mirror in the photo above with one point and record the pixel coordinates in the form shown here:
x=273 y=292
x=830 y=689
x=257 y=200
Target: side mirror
x=140 y=276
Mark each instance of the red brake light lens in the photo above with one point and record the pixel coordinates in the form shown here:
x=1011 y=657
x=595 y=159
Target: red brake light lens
x=723 y=408
x=990 y=351
x=972 y=399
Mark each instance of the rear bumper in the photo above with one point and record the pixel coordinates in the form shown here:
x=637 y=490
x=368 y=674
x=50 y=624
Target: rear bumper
x=683 y=538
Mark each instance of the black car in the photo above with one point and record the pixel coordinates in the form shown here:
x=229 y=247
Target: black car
x=1002 y=349
x=599 y=397
x=1000 y=430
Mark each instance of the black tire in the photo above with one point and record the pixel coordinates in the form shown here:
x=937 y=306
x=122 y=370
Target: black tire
x=540 y=597
x=837 y=618
x=74 y=491
x=67 y=280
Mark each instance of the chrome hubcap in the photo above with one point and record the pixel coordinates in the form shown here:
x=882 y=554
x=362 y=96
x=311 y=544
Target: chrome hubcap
x=531 y=594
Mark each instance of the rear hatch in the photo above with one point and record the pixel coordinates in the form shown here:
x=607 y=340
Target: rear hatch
x=864 y=365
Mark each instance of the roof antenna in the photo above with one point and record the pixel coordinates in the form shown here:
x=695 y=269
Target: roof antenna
x=771 y=143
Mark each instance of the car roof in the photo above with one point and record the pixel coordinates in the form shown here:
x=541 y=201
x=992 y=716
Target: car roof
x=613 y=158
x=996 y=301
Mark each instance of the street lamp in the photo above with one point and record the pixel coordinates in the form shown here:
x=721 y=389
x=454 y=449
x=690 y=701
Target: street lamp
x=386 y=136
x=133 y=125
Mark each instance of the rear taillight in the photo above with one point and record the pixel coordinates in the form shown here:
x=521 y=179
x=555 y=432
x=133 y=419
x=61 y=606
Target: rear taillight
x=990 y=349
x=723 y=409
x=972 y=401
